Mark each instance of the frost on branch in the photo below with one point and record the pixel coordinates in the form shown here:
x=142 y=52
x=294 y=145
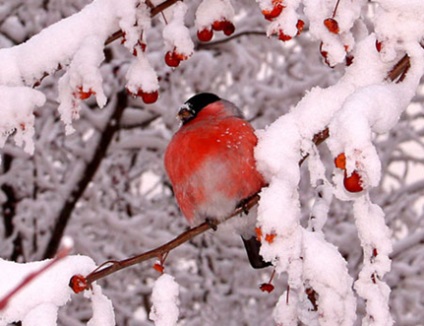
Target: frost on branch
x=214 y=15
x=17 y=103
x=81 y=80
x=210 y=11
x=76 y=45
x=326 y=294
x=376 y=244
x=141 y=76
x=397 y=26
x=286 y=24
x=336 y=24
x=176 y=35
x=360 y=105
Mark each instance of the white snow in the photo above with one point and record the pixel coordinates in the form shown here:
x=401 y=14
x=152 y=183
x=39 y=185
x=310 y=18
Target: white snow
x=16 y=115
x=75 y=44
x=165 y=309
x=360 y=105
x=210 y=11
x=37 y=302
x=141 y=75
x=175 y=34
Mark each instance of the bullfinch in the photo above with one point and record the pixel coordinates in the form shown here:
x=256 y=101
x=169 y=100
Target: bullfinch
x=211 y=165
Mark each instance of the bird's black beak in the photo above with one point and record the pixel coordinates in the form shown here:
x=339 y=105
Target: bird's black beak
x=185 y=114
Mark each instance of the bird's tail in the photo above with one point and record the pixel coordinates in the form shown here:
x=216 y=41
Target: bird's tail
x=253 y=246
x=244 y=225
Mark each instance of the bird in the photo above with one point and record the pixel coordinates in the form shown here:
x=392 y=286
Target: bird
x=211 y=166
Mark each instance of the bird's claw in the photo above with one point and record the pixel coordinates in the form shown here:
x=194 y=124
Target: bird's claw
x=243 y=206
x=213 y=223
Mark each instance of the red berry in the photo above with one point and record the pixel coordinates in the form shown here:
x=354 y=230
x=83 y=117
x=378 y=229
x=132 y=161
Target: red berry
x=258 y=232
x=171 y=60
x=267 y=287
x=332 y=25
x=349 y=60
x=205 y=35
x=82 y=94
x=283 y=37
x=218 y=25
x=150 y=97
x=374 y=252
x=324 y=54
x=78 y=283
x=180 y=56
x=142 y=45
x=269 y=237
x=340 y=161
x=274 y=12
x=300 y=24
x=378 y=45
x=228 y=27
x=353 y=183
x=158 y=267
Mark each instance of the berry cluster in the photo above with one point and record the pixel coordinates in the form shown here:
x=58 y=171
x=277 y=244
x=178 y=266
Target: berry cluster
x=173 y=58
x=353 y=182
x=224 y=25
x=83 y=95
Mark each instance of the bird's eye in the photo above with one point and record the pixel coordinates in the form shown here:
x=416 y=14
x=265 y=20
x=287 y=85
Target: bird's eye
x=185 y=114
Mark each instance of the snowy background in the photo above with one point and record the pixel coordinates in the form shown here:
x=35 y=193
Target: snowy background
x=82 y=157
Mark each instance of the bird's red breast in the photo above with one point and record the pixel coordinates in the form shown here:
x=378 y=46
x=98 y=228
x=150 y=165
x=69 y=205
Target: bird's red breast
x=211 y=165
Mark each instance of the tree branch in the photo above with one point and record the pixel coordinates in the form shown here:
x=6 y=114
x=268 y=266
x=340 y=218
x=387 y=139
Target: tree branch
x=165 y=248
x=230 y=38
x=399 y=70
x=86 y=176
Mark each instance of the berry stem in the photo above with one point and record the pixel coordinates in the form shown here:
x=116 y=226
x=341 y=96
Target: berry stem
x=335 y=9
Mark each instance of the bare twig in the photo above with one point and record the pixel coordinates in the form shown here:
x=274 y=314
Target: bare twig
x=230 y=38
x=115 y=266
x=399 y=70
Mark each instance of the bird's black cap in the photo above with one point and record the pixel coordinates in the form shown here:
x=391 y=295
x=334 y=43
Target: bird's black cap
x=199 y=101
x=194 y=105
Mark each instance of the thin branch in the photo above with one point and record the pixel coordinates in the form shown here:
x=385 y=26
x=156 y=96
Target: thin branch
x=161 y=7
x=399 y=70
x=115 y=266
x=230 y=38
